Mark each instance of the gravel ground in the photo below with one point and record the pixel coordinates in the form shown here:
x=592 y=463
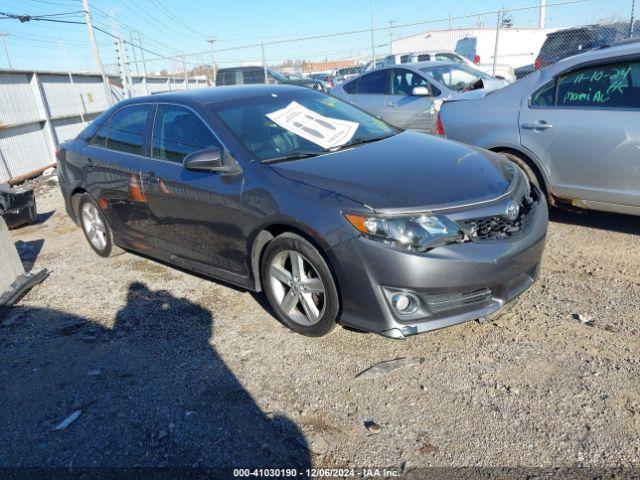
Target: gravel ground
x=163 y=368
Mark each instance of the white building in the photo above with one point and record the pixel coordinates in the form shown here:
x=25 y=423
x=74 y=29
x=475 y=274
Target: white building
x=516 y=46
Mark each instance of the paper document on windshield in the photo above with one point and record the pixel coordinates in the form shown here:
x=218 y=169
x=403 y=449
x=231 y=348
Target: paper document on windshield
x=324 y=131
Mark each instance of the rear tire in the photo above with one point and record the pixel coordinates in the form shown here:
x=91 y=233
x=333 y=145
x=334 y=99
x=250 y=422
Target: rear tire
x=95 y=227
x=299 y=286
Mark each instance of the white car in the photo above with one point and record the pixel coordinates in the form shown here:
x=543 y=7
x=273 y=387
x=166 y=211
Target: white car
x=504 y=72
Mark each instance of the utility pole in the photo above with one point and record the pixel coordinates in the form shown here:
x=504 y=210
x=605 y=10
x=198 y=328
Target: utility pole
x=391 y=22
x=542 y=24
x=373 y=38
x=123 y=67
x=212 y=39
x=495 y=50
x=96 y=53
x=6 y=50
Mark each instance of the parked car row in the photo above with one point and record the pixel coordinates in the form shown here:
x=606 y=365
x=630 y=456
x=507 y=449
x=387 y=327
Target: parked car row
x=252 y=75
x=261 y=75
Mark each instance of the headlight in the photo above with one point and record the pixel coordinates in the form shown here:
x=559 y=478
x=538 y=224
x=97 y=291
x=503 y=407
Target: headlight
x=420 y=232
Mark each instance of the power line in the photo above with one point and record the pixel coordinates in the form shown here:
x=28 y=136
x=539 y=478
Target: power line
x=45 y=17
x=146 y=16
x=131 y=29
x=175 y=18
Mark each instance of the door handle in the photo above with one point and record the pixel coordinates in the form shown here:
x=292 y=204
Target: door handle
x=541 y=125
x=391 y=104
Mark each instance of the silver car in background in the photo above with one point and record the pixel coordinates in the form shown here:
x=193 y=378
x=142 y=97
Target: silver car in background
x=408 y=96
x=574 y=127
x=498 y=70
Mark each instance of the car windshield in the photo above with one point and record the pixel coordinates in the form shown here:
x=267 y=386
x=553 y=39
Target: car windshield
x=459 y=78
x=267 y=141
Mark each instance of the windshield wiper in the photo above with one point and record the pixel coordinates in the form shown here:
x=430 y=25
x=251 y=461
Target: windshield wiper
x=361 y=141
x=295 y=155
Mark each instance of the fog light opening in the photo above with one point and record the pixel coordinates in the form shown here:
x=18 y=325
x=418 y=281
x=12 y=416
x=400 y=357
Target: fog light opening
x=404 y=303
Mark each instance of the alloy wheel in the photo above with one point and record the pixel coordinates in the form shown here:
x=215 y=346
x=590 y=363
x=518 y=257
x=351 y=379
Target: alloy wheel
x=297 y=287
x=93 y=226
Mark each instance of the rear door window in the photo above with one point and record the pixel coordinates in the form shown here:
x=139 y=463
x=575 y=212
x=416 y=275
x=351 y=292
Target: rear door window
x=125 y=130
x=615 y=85
x=403 y=81
x=374 y=83
x=177 y=132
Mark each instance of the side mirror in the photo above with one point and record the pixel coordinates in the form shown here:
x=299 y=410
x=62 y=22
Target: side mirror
x=420 y=92
x=209 y=160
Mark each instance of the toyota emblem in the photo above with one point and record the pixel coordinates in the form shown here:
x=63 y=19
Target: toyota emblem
x=513 y=211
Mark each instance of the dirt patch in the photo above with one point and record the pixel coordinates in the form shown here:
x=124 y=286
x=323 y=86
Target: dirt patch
x=170 y=369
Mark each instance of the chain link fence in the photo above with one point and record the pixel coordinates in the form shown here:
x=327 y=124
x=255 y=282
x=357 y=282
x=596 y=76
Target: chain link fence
x=508 y=44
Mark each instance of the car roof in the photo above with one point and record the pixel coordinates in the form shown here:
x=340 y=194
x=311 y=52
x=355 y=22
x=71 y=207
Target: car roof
x=216 y=94
x=624 y=48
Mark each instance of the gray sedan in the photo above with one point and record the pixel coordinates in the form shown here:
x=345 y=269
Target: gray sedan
x=408 y=95
x=574 y=127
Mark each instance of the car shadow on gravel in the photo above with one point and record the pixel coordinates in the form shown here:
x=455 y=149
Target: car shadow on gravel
x=600 y=220
x=150 y=391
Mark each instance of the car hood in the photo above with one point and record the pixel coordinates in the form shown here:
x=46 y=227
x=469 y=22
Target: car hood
x=406 y=172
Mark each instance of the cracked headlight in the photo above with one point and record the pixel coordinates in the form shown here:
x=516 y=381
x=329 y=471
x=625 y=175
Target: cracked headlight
x=420 y=232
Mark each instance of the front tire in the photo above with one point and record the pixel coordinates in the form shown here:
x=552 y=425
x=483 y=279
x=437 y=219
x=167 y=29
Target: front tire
x=95 y=227
x=299 y=286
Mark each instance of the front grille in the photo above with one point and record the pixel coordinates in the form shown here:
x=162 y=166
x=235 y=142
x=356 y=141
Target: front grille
x=453 y=301
x=498 y=227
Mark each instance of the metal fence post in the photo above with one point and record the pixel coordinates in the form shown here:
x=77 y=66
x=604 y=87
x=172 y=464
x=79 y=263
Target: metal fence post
x=633 y=14
x=264 y=63
x=495 y=50
x=184 y=71
x=43 y=106
x=73 y=85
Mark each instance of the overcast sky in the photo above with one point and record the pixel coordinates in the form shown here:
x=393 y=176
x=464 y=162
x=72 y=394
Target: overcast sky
x=171 y=27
